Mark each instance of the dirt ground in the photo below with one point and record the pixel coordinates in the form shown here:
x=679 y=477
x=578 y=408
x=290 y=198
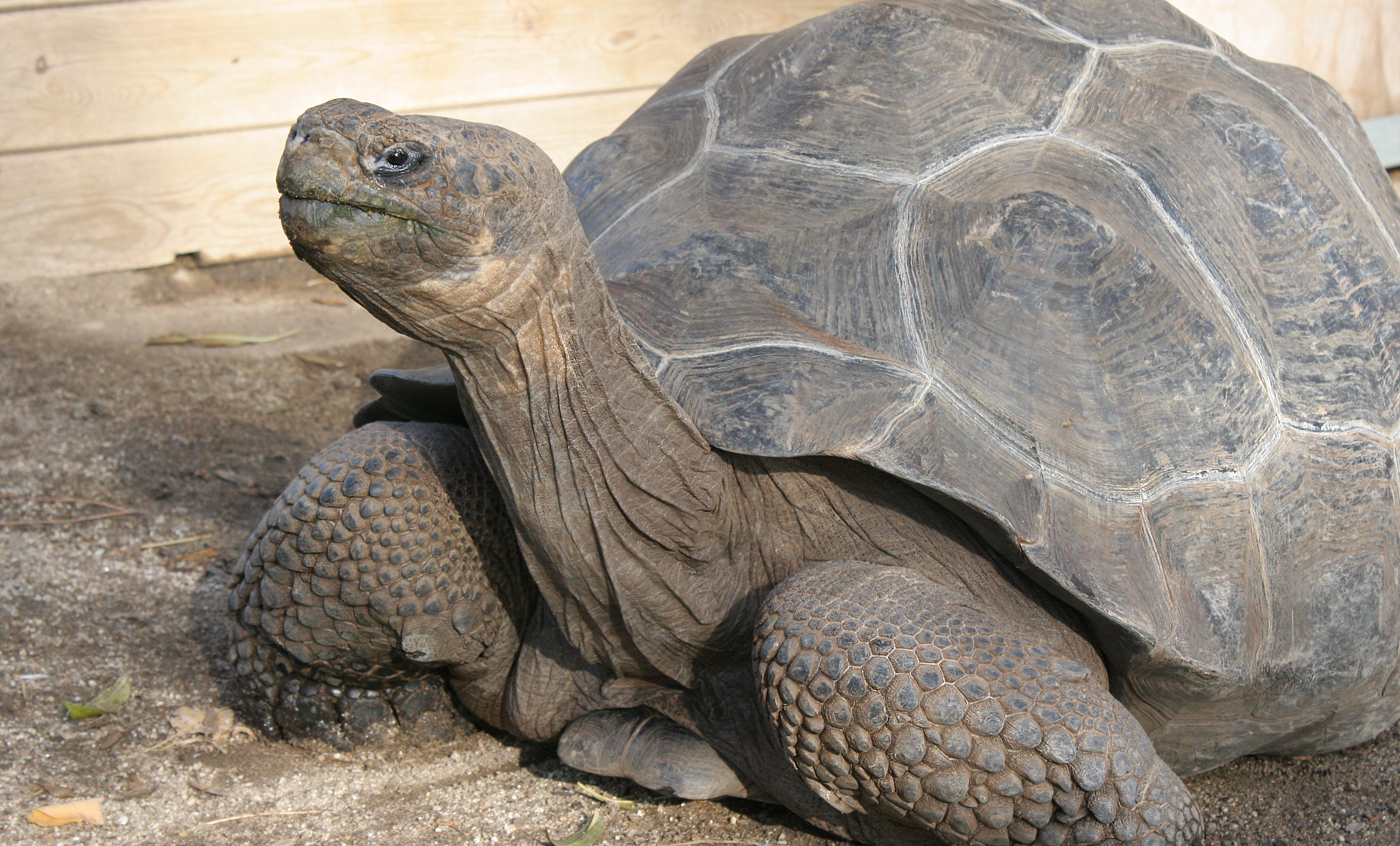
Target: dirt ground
x=193 y=444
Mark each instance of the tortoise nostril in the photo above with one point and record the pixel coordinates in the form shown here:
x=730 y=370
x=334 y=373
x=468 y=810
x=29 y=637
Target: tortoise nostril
x=298 y=136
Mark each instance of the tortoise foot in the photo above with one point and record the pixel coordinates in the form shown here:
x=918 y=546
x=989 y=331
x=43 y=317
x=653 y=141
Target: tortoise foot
x=651 y=750
x=893 y=698
x=381 y=565
x=285 y=701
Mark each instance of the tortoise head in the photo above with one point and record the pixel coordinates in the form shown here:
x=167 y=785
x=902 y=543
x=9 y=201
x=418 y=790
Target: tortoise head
x=415 y=216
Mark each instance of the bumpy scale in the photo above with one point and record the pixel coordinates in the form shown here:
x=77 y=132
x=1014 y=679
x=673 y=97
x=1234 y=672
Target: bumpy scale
x=373 y=568
x=893 y=699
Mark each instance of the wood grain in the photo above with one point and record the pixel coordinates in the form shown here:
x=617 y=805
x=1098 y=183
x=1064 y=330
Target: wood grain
x=137 y=130
x=89 y=74
x=28 y=5
x=83 y=74
x=121 y=206
x=1342 y=41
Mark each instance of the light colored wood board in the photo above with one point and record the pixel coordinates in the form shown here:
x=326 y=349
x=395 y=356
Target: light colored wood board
x=13 y=5
x=158 y=68
x=123 y=206
x=150 y=201
x=1353 y=44
x=155 y=68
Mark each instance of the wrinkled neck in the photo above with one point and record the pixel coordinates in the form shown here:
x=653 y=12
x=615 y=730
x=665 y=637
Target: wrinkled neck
x=617 y=499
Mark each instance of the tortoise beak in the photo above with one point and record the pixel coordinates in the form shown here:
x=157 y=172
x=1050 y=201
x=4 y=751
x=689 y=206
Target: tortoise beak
x=319 y=159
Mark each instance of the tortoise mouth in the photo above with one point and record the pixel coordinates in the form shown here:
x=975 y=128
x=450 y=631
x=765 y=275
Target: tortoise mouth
x=333 y=234
x=346 y=239
x=316 y=222
x=313 y=209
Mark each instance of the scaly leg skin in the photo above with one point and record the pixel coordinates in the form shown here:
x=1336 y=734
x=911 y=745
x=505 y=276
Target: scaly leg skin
x=893 y=698
x=388 y=558
x=291 y=700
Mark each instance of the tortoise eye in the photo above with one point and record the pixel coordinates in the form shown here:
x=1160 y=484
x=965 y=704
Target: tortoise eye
x=398 y=159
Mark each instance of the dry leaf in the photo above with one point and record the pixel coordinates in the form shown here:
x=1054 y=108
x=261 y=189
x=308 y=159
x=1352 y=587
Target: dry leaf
x=587 y=834
x=206 y=552
x=595 y=793
x=321 y=361
x=187 y=720
x=109 y=701
x=328 y=301
x=54 y=790
x=84 y=810
x=212 y=788
x=175 y=541
x=235 y=478
x=134 y=787
x=217 y=725
x=216 y=339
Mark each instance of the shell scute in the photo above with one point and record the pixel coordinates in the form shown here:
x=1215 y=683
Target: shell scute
x=1098 y=278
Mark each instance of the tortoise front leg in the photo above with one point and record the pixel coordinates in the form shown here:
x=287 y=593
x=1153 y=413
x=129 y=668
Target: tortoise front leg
x=388 y=559
x=653 y=751
x=895 y=699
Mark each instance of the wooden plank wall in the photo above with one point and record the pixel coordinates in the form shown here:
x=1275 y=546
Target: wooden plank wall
x=1353 y=44
x=131 y=132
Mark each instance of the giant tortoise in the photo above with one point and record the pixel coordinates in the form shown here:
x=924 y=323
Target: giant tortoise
x=952 y=419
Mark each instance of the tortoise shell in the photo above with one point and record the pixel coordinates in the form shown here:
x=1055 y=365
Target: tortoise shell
x=1123 y=295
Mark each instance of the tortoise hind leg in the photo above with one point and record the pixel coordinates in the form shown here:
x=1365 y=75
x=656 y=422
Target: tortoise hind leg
x=387 y=559
x=894 y=698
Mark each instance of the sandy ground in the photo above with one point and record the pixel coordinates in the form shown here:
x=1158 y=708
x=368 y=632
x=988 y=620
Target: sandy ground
x=195 y=442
